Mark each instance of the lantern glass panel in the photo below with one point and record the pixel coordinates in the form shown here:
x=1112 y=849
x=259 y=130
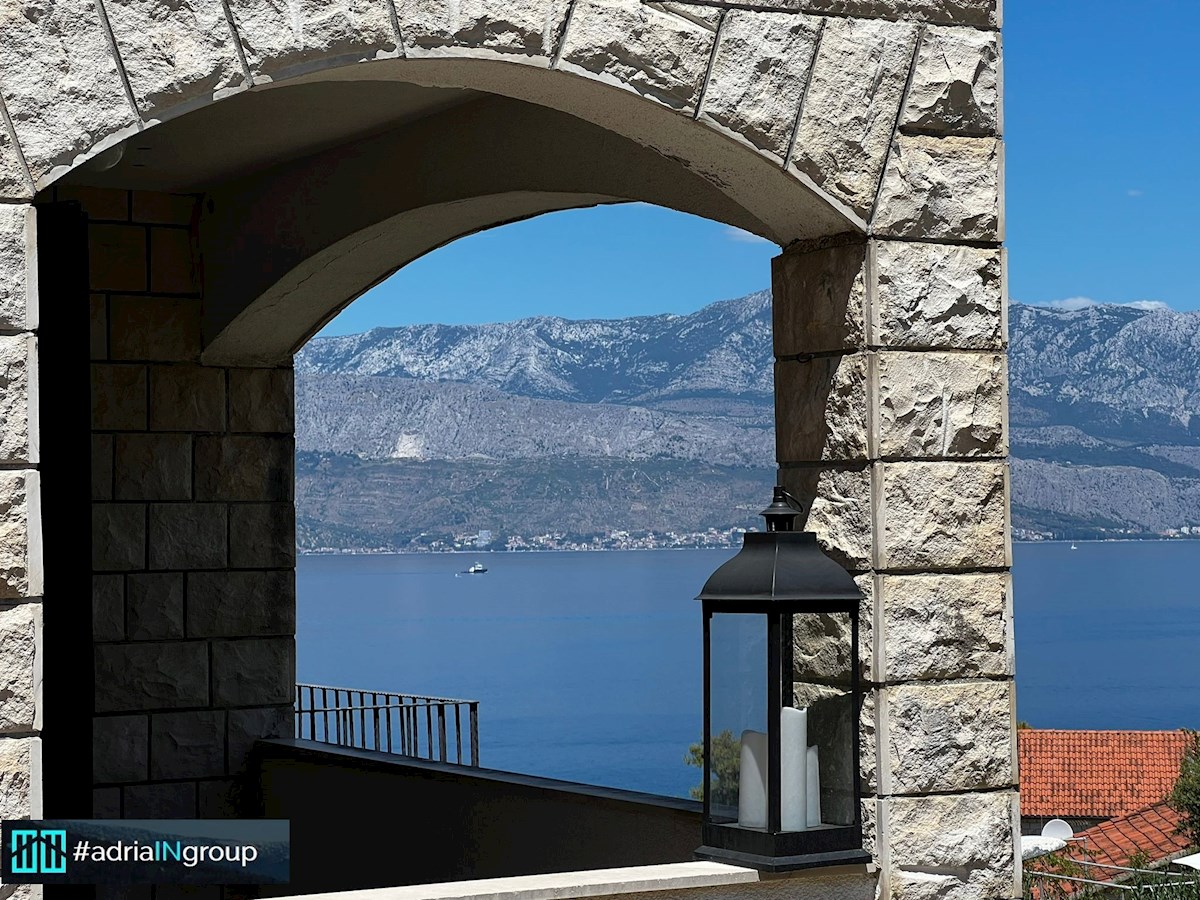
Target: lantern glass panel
x=737 y=740
x=822 y=652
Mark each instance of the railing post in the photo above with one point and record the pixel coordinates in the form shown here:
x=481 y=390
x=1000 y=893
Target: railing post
x=474 y=707
x=429 y=730
x=458 y=732
x=442 y=731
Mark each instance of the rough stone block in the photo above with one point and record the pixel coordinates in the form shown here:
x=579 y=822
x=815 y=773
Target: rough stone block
x=20 y=778
x=153 y=466
x=249 y=725
x=102 y=466
x=983 y=13
x=948 y=737
x=61 y=84
x=524 y=28
x=866 y=624
x=261 y=400
x=937 y=295
x=868 y=756
x=850 y=110
x=254 y=672
x=945 y=626
x=120 y=749
x=20 y=535
x=14 y=185
x=958 y=835
x=106 y=803
x=98 y=327
x=172 y=800
x=818 y=299
x=955 y=83
x=657 y=53
x=118 y=536
x=939 y=515
x=116 y=257
x=157 y=208
x=154 y=606
x=942 y=188
x=20 y=667
x=241 y=604
x=159 y=329
x=187 y=744
x=18 y=258
x=108 y=607
x=838 y=505
x=758 y=75
x=18 y=399
x=969 y=884
x=230 y=467
x=174 y=52
x=187 y=398
x=282 y=37
x=173 y=268
x=151 y=675
x=940 y=405
x=262 y=535
x=821 y=409
x=218 y=799
x=119 y=397
x=188 y=536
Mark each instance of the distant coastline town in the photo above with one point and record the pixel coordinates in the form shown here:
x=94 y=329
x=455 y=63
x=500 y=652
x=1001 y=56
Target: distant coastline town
x=710 y=539
x=486 y=540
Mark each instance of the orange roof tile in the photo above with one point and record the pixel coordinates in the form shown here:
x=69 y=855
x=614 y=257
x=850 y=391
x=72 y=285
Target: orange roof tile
x=1150 y=831
x=1096 y=773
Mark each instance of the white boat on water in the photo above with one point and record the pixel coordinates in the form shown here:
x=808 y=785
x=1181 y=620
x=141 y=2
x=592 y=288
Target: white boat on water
x=1073 y=547
x=476 y=569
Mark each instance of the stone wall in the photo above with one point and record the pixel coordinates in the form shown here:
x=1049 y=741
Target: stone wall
x=21 y=571
x=193 y=532
x=892 y=424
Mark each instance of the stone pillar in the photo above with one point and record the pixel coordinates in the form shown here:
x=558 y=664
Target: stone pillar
x=20 y=526
x=192 y=526
x=891 y=405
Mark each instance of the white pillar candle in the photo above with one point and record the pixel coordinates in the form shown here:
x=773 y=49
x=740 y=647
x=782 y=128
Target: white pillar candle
x=814 y=787
x=793 y=763
x=752 y=781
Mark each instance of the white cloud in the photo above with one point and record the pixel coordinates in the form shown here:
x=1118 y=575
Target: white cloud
x=744 y=237
x=1074 y=303
x=1135 y=192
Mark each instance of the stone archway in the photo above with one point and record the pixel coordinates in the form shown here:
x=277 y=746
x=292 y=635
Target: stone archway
x=862 y=136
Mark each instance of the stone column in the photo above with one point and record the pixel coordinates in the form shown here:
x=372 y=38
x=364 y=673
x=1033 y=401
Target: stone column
x=20 y=526
x=891 y=404
x=193 y=527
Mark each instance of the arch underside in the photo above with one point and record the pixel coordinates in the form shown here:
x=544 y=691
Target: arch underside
x=400 y=157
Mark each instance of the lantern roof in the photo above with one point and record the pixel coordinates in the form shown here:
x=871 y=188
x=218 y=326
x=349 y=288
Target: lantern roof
x=780 y=566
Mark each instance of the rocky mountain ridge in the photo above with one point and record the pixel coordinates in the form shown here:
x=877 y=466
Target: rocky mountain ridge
x=1104 y=412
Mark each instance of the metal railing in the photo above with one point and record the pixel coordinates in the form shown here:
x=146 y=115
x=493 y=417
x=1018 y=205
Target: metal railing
x=407 y=725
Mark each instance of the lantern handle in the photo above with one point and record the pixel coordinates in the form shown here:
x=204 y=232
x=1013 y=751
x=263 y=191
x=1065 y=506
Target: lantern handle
x=781 y=514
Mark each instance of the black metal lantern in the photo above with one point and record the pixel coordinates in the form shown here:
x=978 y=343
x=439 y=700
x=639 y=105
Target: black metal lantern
x=781 y=702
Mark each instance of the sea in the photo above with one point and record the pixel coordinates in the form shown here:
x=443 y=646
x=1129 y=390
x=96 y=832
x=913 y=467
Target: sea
x=587 y=666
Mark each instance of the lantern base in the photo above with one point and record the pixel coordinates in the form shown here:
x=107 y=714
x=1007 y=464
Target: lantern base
x=784 y=863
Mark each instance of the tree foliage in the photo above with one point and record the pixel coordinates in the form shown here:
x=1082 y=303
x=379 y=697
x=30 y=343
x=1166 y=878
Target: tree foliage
x=727 y=762
x=1185 y=795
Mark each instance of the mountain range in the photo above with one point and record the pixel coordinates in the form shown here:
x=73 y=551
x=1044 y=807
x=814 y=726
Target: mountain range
x=408 y=436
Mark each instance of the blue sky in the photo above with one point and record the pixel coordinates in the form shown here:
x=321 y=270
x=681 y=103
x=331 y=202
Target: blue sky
x=1102 y=132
